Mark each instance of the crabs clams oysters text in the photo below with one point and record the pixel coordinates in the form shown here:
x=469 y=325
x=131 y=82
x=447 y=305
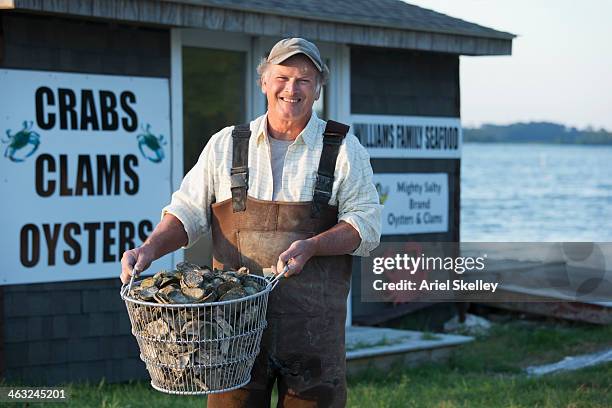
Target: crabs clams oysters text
x=86 y=110
x=80 y=241
x=107 y=179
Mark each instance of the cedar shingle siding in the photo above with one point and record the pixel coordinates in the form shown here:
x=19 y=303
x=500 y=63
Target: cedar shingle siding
x=68 y=331
x=401 y=82
x=59 y=44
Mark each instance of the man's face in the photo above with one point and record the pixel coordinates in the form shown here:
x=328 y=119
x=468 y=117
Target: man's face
x=291 y=88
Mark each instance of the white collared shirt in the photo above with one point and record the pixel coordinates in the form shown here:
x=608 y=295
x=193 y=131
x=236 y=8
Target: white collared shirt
x=209 y=180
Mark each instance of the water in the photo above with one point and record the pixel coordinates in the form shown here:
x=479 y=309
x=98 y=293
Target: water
x=536 y=193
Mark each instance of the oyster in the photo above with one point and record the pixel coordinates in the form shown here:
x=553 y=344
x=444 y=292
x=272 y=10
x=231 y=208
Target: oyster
x=196 y=294
x=158 y=328
x=148 y=282
x=217 y=281
x=169 y=278
x=248 y=317
x=224 y=327
x=226 y=286
x=177 y=296
x=233 y=294
x=192 y=279
x=148 y=293
x=186 y=267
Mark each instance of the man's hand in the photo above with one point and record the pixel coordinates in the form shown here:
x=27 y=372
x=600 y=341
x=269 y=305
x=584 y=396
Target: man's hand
x=340 y=239
x=296 y=256
x=168 y=236
x=135 y=261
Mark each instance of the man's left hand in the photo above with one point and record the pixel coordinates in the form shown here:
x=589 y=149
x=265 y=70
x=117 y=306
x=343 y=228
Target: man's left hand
x=296 y=256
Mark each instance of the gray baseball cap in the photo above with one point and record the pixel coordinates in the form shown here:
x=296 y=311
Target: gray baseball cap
x=289 y=47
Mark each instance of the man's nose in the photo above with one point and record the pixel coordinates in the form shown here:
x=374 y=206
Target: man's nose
x=291 y=86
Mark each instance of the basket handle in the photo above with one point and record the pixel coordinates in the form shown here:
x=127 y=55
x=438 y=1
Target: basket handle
x=274 y=281
x=125 y=289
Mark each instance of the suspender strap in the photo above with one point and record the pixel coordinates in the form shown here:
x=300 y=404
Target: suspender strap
x=332 y=139
x=240 y=166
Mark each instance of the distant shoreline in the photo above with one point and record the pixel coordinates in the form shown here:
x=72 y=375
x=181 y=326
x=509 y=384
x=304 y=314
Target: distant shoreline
x=537 y=142
x=536 y=133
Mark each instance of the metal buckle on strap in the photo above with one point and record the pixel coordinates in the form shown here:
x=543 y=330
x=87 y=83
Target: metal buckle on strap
x=239 y=180
x=333 y=138
x=242 y=134
x=242 y=131
x=323 y=186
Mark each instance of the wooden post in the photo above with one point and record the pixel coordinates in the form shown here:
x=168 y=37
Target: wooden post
x=1 y=39
x=2 y=365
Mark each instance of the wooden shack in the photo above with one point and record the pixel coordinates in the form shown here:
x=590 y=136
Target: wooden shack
x=89 y=84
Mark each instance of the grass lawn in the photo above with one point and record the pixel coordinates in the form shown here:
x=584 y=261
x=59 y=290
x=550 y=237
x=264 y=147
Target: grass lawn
x=488 y=372
x=485 y=373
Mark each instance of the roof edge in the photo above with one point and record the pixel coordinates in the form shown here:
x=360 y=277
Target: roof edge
x=175 y=14
x=339 y=19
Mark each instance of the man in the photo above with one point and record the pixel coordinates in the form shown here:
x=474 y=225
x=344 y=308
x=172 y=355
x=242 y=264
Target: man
x=287 y=190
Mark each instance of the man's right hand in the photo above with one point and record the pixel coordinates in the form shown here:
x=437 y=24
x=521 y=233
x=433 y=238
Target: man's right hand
x=168 y=236
x=137 y=259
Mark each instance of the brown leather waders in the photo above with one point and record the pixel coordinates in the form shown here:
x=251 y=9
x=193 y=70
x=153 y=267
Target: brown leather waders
x=303 y=346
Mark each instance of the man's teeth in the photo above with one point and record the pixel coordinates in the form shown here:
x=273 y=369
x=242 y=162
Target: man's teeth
x=290 y=100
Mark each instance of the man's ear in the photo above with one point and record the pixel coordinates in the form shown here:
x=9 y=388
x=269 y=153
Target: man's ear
x=263 y=83
x=318 y=92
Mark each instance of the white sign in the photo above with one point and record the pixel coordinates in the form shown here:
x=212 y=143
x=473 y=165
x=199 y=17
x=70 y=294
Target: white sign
x=85 y=171
x=409 y=136
x=414 y=203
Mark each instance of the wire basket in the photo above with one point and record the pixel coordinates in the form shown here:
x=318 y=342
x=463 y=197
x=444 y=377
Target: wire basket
x=199 y=348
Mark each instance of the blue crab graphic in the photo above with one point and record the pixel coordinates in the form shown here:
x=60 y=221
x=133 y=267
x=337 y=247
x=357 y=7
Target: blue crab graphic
x=150 y=145
x=17 y=150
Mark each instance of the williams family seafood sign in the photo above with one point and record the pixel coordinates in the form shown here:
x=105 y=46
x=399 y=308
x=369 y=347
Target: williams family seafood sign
x=404 y=137
x=85 y=171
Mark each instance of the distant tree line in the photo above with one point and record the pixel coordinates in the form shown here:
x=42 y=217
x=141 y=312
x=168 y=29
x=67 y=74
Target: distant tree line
x=536 y=132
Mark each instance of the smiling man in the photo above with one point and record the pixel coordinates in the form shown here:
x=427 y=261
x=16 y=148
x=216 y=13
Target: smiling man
x=287 y=190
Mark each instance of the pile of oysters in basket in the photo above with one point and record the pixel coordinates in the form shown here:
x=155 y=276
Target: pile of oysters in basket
x=203 y=348
x=190 y=283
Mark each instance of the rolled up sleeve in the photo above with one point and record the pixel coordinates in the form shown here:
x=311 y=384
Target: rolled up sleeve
x=358 y=202
x=191 y=202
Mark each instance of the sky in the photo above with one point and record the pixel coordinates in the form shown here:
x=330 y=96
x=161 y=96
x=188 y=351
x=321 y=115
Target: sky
x=560 y=69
